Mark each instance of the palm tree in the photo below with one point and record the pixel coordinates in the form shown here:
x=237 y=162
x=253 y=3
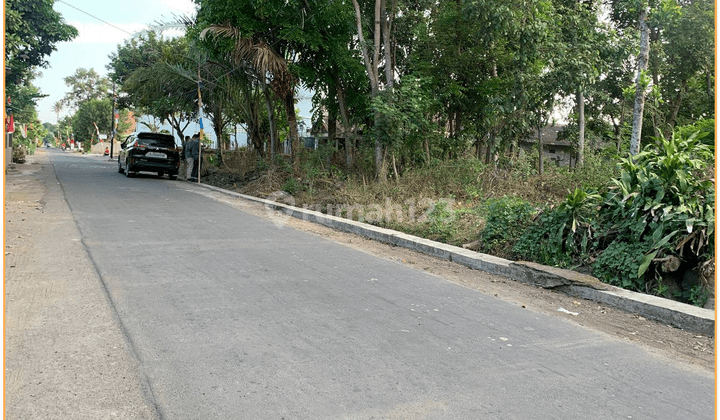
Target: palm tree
x=264 y=59
x=57 y=107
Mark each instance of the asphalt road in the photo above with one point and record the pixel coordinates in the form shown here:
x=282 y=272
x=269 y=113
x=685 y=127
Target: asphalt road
x=232 y=317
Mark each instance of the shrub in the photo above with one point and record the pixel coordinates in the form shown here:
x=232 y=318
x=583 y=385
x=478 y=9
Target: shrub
x=561 y=235
x=618 y=265
x=659 y=206
x=440 y=224
x=506 y=218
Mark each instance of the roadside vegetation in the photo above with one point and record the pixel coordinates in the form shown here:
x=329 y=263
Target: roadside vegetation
x=644 y=223
x=429 y=117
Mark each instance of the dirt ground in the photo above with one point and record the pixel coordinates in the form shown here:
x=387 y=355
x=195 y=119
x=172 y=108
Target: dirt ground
x=689 y=349
x=64 y=352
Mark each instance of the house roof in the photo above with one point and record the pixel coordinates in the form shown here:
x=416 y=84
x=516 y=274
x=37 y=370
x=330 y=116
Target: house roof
x=549 y=136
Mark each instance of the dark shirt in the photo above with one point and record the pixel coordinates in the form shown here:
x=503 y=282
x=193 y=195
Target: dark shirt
x=193 y=149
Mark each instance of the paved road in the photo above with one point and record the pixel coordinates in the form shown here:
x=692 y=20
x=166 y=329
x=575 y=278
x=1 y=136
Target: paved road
x=233 y=318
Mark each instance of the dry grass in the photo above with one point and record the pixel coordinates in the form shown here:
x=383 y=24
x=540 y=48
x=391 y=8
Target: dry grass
x=465 y=184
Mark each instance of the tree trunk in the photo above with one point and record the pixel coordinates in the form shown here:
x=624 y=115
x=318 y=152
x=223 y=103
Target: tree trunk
x=176 y=124
x=488 y=150
x=218 y=127
x=349 y=133
x=332 y=132
x=674 y=110
x=639 y=88
x=379 y=161
x=581 y=127
x=271 y=116
x=540 y=151
x=372 y=66
x=618 y=131
x=292 y=123
x=387 y=21
x=332 y=126
x=386 y=25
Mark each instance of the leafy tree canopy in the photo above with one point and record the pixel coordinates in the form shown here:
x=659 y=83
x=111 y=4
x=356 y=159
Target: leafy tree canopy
x=32 y=28
x=85 y=85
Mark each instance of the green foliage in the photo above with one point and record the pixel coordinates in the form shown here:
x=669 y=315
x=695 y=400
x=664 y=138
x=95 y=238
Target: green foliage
x=660 y=205
x=697 y=295
x=561 y=235
x=402 y=118
x=91 y=113
x=158 y=76
x=506 y=218
x=291 y=186
x=85 y=85
x=439 y=224
x=705 y=129
x=618 y=265
x=32 y=29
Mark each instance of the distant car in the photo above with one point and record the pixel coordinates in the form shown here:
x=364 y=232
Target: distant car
x=149 y=152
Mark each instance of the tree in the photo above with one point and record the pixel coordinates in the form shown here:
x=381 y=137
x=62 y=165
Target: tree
x=687 y=73
x=384 y=14
x=641 y=82
x=484 y=60
x=270 y=38
x=85 y=85
x=146 y=71
x=676 y=41
x=32 y=28
x=579 y=62
x=58 y=107
x=92 y=116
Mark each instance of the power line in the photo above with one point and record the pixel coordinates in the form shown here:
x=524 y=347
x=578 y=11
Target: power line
x=94 y=17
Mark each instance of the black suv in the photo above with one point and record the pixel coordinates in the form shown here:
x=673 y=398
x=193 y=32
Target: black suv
x=149 y=152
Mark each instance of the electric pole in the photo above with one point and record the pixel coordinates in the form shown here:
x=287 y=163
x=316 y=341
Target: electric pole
x=200 y=119
x=113 y=122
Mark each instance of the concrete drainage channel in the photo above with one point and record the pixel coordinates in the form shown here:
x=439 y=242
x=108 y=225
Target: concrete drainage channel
x=680 y=315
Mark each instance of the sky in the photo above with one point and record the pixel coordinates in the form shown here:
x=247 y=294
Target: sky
x=97 y=39
x=102 y=26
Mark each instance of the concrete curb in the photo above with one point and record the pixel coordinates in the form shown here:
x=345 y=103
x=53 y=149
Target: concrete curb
x=676 y=314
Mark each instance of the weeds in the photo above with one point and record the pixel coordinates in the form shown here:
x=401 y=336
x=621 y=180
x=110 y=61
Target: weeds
x=619 y=220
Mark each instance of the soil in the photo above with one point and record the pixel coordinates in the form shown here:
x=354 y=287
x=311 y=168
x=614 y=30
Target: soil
x=687 y=348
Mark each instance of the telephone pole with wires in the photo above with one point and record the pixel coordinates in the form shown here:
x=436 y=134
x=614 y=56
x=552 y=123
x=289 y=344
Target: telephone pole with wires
x=113 y=122
x=200 y=120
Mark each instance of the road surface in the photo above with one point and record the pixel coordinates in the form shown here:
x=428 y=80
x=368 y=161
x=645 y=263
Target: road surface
x=230 y=316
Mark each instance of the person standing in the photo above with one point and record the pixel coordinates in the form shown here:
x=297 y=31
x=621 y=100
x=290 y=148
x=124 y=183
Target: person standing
x=186 y=157
x=193 y=152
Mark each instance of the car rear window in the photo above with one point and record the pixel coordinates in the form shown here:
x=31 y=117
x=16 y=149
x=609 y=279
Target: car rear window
x=156 y=141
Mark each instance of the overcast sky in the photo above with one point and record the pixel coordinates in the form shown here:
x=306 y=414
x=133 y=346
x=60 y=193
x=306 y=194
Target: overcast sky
x=113 y=23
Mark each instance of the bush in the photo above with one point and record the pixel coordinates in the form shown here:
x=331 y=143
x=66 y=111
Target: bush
x=505 y=220
x=561 y=235
x=440 y=224
x=618 y=265
x=661 y=206
x=705 y=130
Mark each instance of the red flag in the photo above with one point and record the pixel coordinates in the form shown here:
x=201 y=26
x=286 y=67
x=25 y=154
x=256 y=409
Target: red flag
x=9 y=124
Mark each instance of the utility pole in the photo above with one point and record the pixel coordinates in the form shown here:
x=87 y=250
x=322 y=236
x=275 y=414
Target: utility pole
x=113 y=122
x=200 y=119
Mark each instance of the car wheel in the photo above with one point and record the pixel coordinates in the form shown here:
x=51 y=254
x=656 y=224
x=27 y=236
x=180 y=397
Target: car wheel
x=120 y=169
x=127 y=170
x=161 y=174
